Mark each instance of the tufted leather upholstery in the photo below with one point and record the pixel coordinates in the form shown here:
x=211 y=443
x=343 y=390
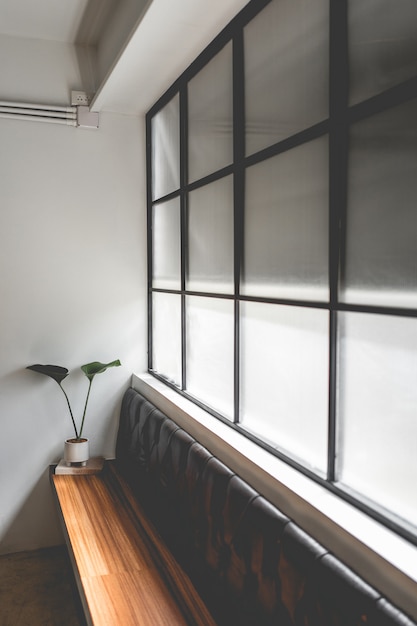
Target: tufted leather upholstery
x=252 y=565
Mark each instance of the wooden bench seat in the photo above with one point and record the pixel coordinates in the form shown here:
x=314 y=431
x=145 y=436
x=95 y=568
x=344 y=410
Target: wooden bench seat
x=125 y=574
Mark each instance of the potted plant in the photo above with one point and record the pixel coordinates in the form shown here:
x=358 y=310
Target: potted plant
x=76 y=448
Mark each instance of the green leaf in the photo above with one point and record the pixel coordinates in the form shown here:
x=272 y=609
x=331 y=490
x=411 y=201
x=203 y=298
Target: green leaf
x=91 y=369
x=53 y=371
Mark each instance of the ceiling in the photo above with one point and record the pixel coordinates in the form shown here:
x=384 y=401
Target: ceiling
x=42 y=19
x=157 y=39
x=68 y=21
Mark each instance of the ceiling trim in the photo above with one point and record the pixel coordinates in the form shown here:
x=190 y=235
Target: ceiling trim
x=94 y=20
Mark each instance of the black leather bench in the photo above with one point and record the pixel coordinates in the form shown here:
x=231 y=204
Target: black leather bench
x=252 y=565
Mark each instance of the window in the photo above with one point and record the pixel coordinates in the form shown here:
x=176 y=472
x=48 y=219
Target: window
x=282 y=185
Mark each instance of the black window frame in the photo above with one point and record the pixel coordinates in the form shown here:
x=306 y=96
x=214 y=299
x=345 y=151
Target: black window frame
x=336 y=126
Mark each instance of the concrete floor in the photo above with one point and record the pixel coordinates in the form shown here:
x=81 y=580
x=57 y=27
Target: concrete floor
x=38 y=589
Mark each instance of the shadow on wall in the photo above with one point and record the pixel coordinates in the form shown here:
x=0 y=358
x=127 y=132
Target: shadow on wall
x=35 y=423
x=36 y=521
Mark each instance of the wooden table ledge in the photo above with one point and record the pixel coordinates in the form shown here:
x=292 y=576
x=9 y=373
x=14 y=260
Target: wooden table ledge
x=125 y=573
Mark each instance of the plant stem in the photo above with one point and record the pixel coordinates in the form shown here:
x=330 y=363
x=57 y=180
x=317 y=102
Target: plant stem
x=77 y=436
x=85 y=406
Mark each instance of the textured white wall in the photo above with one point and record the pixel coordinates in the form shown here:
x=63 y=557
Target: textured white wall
x=38 y=71
x=72 y=289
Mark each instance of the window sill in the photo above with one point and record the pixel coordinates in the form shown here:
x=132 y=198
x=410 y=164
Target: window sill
x=388 y=562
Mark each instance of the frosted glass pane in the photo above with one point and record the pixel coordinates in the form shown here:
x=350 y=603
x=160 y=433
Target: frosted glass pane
x=286 y=225
x=381 y=246
x=286 y=70
x=166 y=150
x=377 y=409
x=284 y=379
x=166 y=320
x=210 y=237
x=382 y=45
x=210 y=343
x=210 y=115
x=166 y=233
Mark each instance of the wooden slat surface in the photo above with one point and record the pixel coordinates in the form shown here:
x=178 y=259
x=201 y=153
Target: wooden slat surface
x=128 y=576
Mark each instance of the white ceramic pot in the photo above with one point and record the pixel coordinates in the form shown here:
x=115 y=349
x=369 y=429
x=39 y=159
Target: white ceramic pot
x=76 y=451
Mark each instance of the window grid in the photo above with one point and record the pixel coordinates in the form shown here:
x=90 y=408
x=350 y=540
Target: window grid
x=341 y=116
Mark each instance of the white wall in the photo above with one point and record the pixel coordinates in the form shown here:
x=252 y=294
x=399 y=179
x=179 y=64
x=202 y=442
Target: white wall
x=72 y=282
x=38 y=71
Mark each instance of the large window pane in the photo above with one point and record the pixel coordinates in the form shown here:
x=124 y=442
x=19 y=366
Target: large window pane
x=210 y=237
x=263 y=216
x=286 y=225
x=210 y=111
x=286 y=70
x=210 y=332
x=284 y=378
x=166 y=244
x=166 y=334
x=377 y=408
x=166 y=150
x=381 y=246
x=382 y=45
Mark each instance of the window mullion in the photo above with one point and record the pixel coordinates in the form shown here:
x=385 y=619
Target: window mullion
x=239 y=194
x=184 y=227
x=338 y=147
x=149 y=175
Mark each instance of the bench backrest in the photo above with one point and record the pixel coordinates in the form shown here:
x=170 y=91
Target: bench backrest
x=250 y=562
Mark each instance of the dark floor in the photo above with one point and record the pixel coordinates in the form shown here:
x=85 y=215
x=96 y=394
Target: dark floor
x=38 y=589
